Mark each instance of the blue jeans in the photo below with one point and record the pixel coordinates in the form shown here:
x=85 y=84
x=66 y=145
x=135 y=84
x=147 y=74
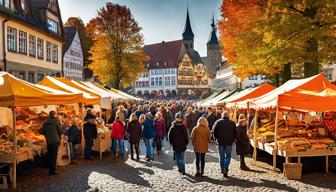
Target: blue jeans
x=72 y=151
x=149 y=148
x=225 y=156
x=118 y=143
x=179 y=156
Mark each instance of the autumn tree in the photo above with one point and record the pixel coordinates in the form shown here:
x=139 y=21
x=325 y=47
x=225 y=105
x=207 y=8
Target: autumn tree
x=117 y=52
x=272 y=37
x=85 y=38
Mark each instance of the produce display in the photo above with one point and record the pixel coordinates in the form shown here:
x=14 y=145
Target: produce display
x=294 y=135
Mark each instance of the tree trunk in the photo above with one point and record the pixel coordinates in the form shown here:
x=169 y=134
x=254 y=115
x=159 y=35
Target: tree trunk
x=312 y=66
x=287 y=73
x=277 y=80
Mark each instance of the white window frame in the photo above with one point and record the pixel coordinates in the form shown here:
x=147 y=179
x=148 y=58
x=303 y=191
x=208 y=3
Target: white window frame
x=32 y=45
x=22 y=42
x=52 y=25
x=40 y=48
x=11 y=39
x=54 y=53
x=48 y=51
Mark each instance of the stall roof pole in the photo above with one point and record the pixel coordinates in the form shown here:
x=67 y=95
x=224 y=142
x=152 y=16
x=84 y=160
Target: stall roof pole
x=248 y=115
x=15 y=148
x=255 y=137
x=82 y=116
x=276 y=137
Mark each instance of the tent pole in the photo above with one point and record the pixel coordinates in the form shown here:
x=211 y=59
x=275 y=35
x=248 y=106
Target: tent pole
x=276 y=137
x=255 y=137
x=82 y=116
x=248 y=115
x=15 y=148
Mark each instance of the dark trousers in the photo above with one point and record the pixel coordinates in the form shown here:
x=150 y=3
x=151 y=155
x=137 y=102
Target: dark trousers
x=242 y=159
x=52 y=157
x=200 y=157
x=158 y=143
x=88 y=151
x=136 y=147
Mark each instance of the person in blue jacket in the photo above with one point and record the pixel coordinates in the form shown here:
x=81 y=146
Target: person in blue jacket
x=148 y=134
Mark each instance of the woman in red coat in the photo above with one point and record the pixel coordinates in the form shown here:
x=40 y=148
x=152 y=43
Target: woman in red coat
x=160 y=130
x=118 y=135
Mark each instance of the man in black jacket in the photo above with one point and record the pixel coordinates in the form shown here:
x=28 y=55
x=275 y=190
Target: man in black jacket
x=90 y=133
x=211 y=117
x=178 y=138
x=224 y=132
x=52 y=131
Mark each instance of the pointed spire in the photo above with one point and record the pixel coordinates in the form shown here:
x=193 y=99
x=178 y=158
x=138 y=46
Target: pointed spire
x=213 y=35
x=188 y=33
x=213 y=21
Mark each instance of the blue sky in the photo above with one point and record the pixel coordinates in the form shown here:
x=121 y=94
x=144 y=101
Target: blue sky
x=161 y=20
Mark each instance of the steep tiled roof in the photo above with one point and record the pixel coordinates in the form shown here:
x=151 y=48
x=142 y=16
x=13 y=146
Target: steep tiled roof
x=167 y=54
x=69 y=34
x=34 y=15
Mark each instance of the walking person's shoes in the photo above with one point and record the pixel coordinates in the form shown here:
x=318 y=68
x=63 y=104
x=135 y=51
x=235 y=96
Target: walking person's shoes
x=148 y=159
x=197 y=174
x=244 y=167
x=225 y=172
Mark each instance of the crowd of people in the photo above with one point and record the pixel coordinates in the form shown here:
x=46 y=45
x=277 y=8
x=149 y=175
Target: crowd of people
x=151 y=122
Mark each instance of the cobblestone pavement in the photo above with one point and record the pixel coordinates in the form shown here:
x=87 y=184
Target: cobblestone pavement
x=162 y=175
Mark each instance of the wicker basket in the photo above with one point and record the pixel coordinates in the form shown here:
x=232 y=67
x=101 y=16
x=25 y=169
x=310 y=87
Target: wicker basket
x=292 y=170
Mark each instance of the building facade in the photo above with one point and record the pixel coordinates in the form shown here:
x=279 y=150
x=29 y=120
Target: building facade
x=174 y=68
x=73 y=58
x=31 y=38
x=226 y=79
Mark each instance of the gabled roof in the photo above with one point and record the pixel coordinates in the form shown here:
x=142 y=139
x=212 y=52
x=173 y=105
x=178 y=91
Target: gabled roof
x=195 y=56
x=187 y=33
x=35 y=15
x=69 y=35
x=164 y=52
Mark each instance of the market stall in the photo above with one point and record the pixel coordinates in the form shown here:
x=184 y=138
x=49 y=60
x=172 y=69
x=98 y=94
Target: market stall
x=298 y=130
x=213 y=95
x=218 y=98
x=123 y=94
x=113 y=95
x=20 y=139
x=102 y=143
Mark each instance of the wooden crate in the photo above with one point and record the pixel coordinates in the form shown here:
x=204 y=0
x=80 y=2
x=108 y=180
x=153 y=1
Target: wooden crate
x=292 y=170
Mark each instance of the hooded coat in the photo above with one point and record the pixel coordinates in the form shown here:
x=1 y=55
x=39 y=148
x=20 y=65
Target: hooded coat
x=178 y=136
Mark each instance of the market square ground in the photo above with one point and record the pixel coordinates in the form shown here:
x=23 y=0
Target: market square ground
x=162 y=175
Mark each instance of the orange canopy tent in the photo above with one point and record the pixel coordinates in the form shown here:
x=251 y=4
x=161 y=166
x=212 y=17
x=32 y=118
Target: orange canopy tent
x=18 y=93
x=317 y=95
x=242 y=100
x=311 y=94
x=58 y=85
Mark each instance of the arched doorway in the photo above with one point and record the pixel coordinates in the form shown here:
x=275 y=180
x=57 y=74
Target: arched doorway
x=139 y=93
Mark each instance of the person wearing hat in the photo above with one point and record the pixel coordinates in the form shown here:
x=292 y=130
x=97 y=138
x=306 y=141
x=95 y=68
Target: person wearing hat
x=224 y=132
x=178 y=138
x=90 y=133
x=242 y=141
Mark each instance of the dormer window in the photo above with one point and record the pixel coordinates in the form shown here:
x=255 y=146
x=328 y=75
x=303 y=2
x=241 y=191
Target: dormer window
x=52 y=25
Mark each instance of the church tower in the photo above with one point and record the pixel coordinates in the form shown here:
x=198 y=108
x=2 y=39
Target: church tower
x=213 y=49
x=188 y=35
